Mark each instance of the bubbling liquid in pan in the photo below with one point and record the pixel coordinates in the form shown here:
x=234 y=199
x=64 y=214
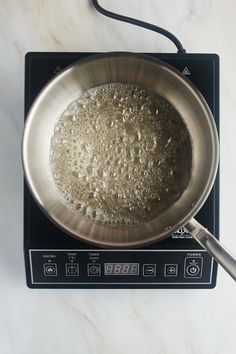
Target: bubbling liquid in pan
x=120 y=154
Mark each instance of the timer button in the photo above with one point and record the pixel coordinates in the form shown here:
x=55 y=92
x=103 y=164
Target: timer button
x=149 y=270
x=94 y=269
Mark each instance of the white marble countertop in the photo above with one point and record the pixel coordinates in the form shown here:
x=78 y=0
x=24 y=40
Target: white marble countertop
x=110 y=321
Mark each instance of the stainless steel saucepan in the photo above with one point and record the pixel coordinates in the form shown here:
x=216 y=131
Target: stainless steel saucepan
x=166 y=82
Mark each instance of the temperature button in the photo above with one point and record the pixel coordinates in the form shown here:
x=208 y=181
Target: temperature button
x=193 y=267
x=94 y=269
x=72 y=269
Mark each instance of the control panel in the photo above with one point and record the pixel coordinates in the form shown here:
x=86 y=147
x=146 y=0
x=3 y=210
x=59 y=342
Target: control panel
x=120 y=267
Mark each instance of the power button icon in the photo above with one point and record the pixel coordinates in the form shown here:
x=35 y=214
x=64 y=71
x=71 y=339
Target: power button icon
x=193 y=267
x=193 y=270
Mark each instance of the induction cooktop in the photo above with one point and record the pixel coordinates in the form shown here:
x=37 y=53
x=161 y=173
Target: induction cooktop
x=54 y=259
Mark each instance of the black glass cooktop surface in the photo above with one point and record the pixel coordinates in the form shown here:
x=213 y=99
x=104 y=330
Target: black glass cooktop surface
x=55 y=260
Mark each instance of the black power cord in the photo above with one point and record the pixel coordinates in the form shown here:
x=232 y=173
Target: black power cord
x=139 y=23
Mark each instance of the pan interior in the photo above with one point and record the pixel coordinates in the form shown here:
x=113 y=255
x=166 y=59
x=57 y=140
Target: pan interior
x=128 y=69
x=120 y=154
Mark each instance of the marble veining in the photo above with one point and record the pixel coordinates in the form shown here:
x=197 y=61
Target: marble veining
x=110 y=321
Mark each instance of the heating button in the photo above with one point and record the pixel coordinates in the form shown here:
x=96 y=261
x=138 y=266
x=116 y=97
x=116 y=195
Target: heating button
x=50 y=269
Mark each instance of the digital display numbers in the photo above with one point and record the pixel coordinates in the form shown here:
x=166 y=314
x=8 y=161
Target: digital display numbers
x=121 y=269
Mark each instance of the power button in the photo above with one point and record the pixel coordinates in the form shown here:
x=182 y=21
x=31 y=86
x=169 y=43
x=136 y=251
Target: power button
x=193 y=267
x=193 y=270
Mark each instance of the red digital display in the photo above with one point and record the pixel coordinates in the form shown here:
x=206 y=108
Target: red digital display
x=121 y=269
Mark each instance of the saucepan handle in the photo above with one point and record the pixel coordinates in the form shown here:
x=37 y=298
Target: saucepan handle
x=226 y=259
